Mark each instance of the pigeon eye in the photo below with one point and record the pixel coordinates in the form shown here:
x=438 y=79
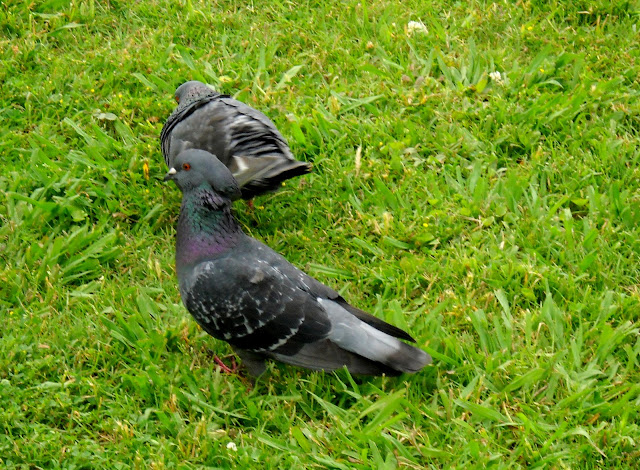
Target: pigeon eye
x=177 y=99
x=186 y=166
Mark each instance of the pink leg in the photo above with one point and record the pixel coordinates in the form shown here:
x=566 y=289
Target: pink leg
x=224 y=367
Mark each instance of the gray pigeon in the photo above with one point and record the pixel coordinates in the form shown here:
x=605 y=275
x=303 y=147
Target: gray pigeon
x=242 y=138
x=241 y=291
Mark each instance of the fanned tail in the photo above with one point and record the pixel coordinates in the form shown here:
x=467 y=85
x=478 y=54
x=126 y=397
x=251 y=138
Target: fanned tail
x=259 y=175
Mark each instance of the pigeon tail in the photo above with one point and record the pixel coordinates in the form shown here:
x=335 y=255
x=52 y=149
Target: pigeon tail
x=259 y=175
x=354 y=335
x=327 y=356
x=321 y=355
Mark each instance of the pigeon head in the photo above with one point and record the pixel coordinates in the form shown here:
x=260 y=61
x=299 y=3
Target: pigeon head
x=192 y=91
x=193 y=169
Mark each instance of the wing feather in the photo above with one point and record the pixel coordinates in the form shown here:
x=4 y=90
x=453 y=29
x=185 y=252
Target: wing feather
x=253 y=307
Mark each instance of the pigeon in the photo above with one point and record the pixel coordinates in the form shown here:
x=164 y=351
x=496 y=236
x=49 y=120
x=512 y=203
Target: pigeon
x=243 y=292
x=242 y=138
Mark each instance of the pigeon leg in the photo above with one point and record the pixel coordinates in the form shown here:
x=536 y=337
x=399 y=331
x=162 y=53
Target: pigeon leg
x=225 y=368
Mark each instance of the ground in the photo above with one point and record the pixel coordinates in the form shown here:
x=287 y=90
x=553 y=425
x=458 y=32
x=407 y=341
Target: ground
x=476 y=181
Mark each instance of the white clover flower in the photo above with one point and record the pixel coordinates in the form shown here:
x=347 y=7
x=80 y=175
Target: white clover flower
x=232 y=446
x=495 y=76
x=416 y=27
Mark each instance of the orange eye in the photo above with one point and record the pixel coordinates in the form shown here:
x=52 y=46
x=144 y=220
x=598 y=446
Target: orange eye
x=186 y=166
x=177 y=99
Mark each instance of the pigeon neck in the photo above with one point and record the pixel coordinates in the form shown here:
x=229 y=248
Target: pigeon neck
x=195 y=97
x=206 y=227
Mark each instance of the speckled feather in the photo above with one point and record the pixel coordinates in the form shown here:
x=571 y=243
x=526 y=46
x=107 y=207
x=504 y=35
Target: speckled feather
x=242 y=138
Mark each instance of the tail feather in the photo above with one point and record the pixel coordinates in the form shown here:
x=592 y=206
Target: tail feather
x=353 y=334
x=327 y=356
x=259 y=175
x=376 y=322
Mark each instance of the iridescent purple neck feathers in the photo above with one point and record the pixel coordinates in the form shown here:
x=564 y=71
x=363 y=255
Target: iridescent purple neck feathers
x=206 y=228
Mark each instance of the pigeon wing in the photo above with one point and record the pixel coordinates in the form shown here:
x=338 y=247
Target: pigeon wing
x=260 y=157
x=253 y=133
x=316 y=288
x=254 y=307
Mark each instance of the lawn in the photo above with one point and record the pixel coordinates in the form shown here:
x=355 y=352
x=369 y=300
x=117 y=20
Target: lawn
x=476 y=181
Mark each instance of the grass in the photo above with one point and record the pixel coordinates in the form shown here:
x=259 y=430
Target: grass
x=496 y=217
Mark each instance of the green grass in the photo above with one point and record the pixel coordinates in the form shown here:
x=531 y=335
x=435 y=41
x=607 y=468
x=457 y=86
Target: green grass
x=495 y=217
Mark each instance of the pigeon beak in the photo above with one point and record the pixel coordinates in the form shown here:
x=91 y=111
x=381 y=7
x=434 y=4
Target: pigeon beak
x=169 y=175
